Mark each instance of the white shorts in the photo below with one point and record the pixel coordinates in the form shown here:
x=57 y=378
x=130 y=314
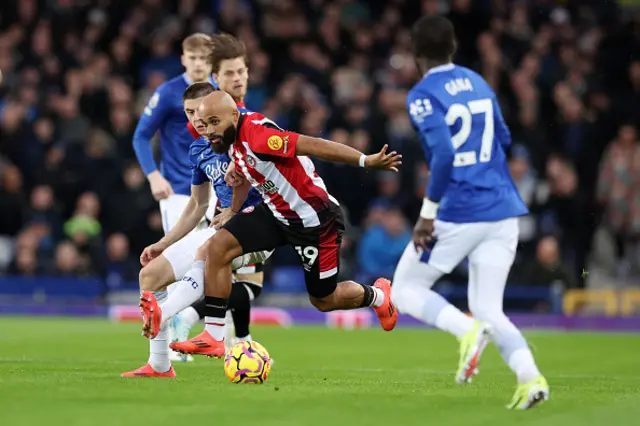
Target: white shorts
x=489 y=243
x=171 y=209
x=182 y=254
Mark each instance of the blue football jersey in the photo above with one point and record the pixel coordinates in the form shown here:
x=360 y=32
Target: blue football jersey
x=165 y=114
x=464 y=137
x=206 y=164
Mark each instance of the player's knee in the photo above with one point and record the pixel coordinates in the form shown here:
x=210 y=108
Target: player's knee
x=323 y=293
x=156 y=275
x=147 y=278
x=222 y=248
x=201 y=252
x=217 y=253
x=323 y=304
x=491 y=316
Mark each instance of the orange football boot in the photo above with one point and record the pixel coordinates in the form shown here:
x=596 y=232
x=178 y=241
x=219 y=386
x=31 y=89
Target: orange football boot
x=387 y=312
x=148 y=371
x=202 y=344
x=151 y=315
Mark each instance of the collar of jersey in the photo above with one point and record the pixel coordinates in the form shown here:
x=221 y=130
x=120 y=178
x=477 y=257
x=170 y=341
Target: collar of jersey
x=190 y=82
x=440 y=68
x=240 y=121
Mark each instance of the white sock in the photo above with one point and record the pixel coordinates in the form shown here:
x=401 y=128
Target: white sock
x=215 y=327
x=452 y=320
x=378 y=297
x=521 y=361
x=159 y=346
x=246 y=338
x=190 y=316
x=229 y=328
x=228 y=318
x=187 y=291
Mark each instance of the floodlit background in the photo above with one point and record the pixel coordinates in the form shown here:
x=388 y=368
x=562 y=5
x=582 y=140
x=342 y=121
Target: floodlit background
x=76 y=210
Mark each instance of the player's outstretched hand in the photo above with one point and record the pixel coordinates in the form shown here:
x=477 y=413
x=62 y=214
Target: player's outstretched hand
x=160 y=187
x=423 y=234
x=223 y=217
x=383 y=160
x=151 y=252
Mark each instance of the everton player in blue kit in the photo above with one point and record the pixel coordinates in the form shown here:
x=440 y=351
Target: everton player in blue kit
x=163 y=114
x=230 y=72
x=170 y=184
x=180 y=254
x=470 y=210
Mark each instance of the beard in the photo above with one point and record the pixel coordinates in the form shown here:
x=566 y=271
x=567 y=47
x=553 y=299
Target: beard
x=226 y=139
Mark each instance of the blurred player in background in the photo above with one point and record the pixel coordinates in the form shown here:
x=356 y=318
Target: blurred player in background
x=230 y=68
x=170 y=184
x=297 y=211
x=231 y=74
x=470 y=210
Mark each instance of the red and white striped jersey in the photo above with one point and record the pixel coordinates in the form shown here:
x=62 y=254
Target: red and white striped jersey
x=289 y=184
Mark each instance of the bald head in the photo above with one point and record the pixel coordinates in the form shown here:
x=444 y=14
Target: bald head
x=218 y=111
x=217 y=103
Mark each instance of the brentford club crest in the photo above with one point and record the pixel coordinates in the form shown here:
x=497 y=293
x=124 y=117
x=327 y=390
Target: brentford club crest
x=248 y=209
x=251 y=162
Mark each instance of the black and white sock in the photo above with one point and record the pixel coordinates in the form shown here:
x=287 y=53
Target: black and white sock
x=373 y=296
x=214 y=311
x=242 y=293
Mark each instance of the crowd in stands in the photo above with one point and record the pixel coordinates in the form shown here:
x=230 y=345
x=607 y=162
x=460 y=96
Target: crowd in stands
x=76 y=74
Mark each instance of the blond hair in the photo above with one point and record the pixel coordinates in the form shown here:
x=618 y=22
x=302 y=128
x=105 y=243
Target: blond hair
x=197 y=41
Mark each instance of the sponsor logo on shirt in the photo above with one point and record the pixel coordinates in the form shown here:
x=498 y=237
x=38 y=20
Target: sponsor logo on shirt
x=268 y=187
x=216 y=170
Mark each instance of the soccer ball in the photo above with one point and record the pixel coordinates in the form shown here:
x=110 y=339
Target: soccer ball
x=247 y=362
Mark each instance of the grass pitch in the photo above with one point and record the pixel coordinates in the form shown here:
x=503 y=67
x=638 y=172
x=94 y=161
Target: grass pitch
x=66 y=372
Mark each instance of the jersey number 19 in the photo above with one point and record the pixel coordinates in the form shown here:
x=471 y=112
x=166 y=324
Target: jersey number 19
x=465 y=114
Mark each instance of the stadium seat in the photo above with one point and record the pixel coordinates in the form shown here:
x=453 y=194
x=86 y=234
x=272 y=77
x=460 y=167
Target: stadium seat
x=575 y=300
x=48 y=288
x=287 y=279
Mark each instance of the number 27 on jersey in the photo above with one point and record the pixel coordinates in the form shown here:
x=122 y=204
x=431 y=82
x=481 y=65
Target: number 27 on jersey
x=421 y=108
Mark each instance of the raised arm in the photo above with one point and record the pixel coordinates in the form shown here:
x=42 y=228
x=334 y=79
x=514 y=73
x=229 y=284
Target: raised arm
x=339 y=153
x=285 y=144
